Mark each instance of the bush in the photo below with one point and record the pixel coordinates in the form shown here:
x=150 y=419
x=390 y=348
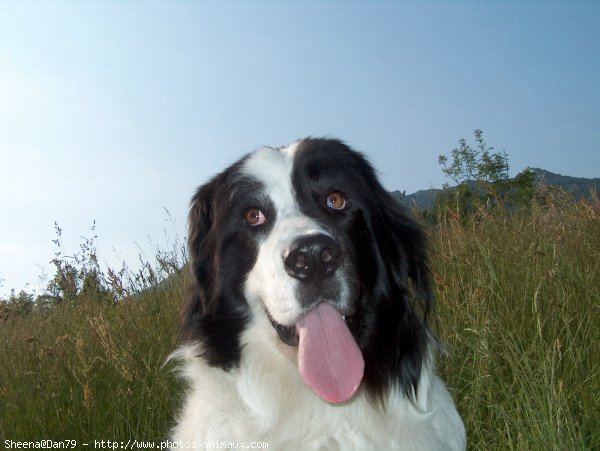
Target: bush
x=482 y=181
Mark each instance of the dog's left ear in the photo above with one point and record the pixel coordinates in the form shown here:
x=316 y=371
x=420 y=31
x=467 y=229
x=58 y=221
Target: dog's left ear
x=406 y=247
x=399 y=317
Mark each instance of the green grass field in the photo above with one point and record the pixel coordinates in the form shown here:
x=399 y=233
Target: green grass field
x=518 y=310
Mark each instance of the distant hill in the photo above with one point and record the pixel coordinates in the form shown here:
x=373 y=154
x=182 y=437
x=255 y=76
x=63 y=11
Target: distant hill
x=578 y=186
x=421 y=200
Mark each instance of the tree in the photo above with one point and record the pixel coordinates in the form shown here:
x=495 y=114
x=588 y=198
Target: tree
x=16 y=305
x=482 y=180
x=79 y=276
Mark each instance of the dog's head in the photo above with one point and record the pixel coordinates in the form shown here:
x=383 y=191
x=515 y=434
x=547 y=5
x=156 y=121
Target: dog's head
x=307 y=235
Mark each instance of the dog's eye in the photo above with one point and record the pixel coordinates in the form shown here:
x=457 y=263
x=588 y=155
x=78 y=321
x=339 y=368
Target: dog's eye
x=336 y=200
x=254 y=217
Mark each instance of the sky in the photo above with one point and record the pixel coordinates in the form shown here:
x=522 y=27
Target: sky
x=112 y=113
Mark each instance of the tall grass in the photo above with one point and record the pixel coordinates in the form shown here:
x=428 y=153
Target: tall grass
x=92 y=369
x=518 y=307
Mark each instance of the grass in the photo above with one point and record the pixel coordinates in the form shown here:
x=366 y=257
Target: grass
x=518 y=308
x=90 y=371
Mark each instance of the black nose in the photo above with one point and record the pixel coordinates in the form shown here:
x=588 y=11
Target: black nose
x=312 y=257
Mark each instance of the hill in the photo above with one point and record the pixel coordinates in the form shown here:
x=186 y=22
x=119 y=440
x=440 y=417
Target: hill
x=422 y=199
x=579 y=187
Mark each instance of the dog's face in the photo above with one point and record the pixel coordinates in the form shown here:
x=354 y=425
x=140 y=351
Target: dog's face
x=305 y=254
x=307 y=235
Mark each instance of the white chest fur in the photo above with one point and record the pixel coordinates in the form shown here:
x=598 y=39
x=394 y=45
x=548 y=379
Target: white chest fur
x=266 y=400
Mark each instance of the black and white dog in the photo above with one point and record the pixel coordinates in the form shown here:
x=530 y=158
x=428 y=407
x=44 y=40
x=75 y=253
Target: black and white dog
x=307 y=323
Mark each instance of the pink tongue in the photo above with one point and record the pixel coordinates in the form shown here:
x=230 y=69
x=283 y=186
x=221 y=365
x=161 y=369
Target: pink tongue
x=329 y=359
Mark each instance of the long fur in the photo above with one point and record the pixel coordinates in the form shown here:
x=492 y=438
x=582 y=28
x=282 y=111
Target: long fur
x=238 y=351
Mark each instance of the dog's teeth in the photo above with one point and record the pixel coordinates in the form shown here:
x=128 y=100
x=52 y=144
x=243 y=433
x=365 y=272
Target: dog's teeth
x=344 y=316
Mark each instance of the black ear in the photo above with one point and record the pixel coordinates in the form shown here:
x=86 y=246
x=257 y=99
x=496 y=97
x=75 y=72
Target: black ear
x=404 y=246
x=400 y=337
x=200 y=220
x=214 y=314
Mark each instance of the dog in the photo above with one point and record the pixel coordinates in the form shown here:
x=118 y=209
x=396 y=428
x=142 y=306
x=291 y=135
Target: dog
x=307 y=323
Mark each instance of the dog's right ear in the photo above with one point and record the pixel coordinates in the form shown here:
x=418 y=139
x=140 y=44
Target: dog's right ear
x=209 y=316
x=200 y=220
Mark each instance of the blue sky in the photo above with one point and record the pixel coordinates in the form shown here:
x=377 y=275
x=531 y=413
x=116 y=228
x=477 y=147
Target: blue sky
x=115 y=111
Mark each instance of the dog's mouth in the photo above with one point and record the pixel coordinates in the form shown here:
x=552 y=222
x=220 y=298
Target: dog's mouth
x=329 y=359
x=289 y=334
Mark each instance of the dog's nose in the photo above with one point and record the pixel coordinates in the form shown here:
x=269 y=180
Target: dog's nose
x=312 y=257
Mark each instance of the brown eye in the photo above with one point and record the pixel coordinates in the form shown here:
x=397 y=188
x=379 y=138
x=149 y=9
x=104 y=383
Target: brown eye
x=336 y=200
x=254 y=217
